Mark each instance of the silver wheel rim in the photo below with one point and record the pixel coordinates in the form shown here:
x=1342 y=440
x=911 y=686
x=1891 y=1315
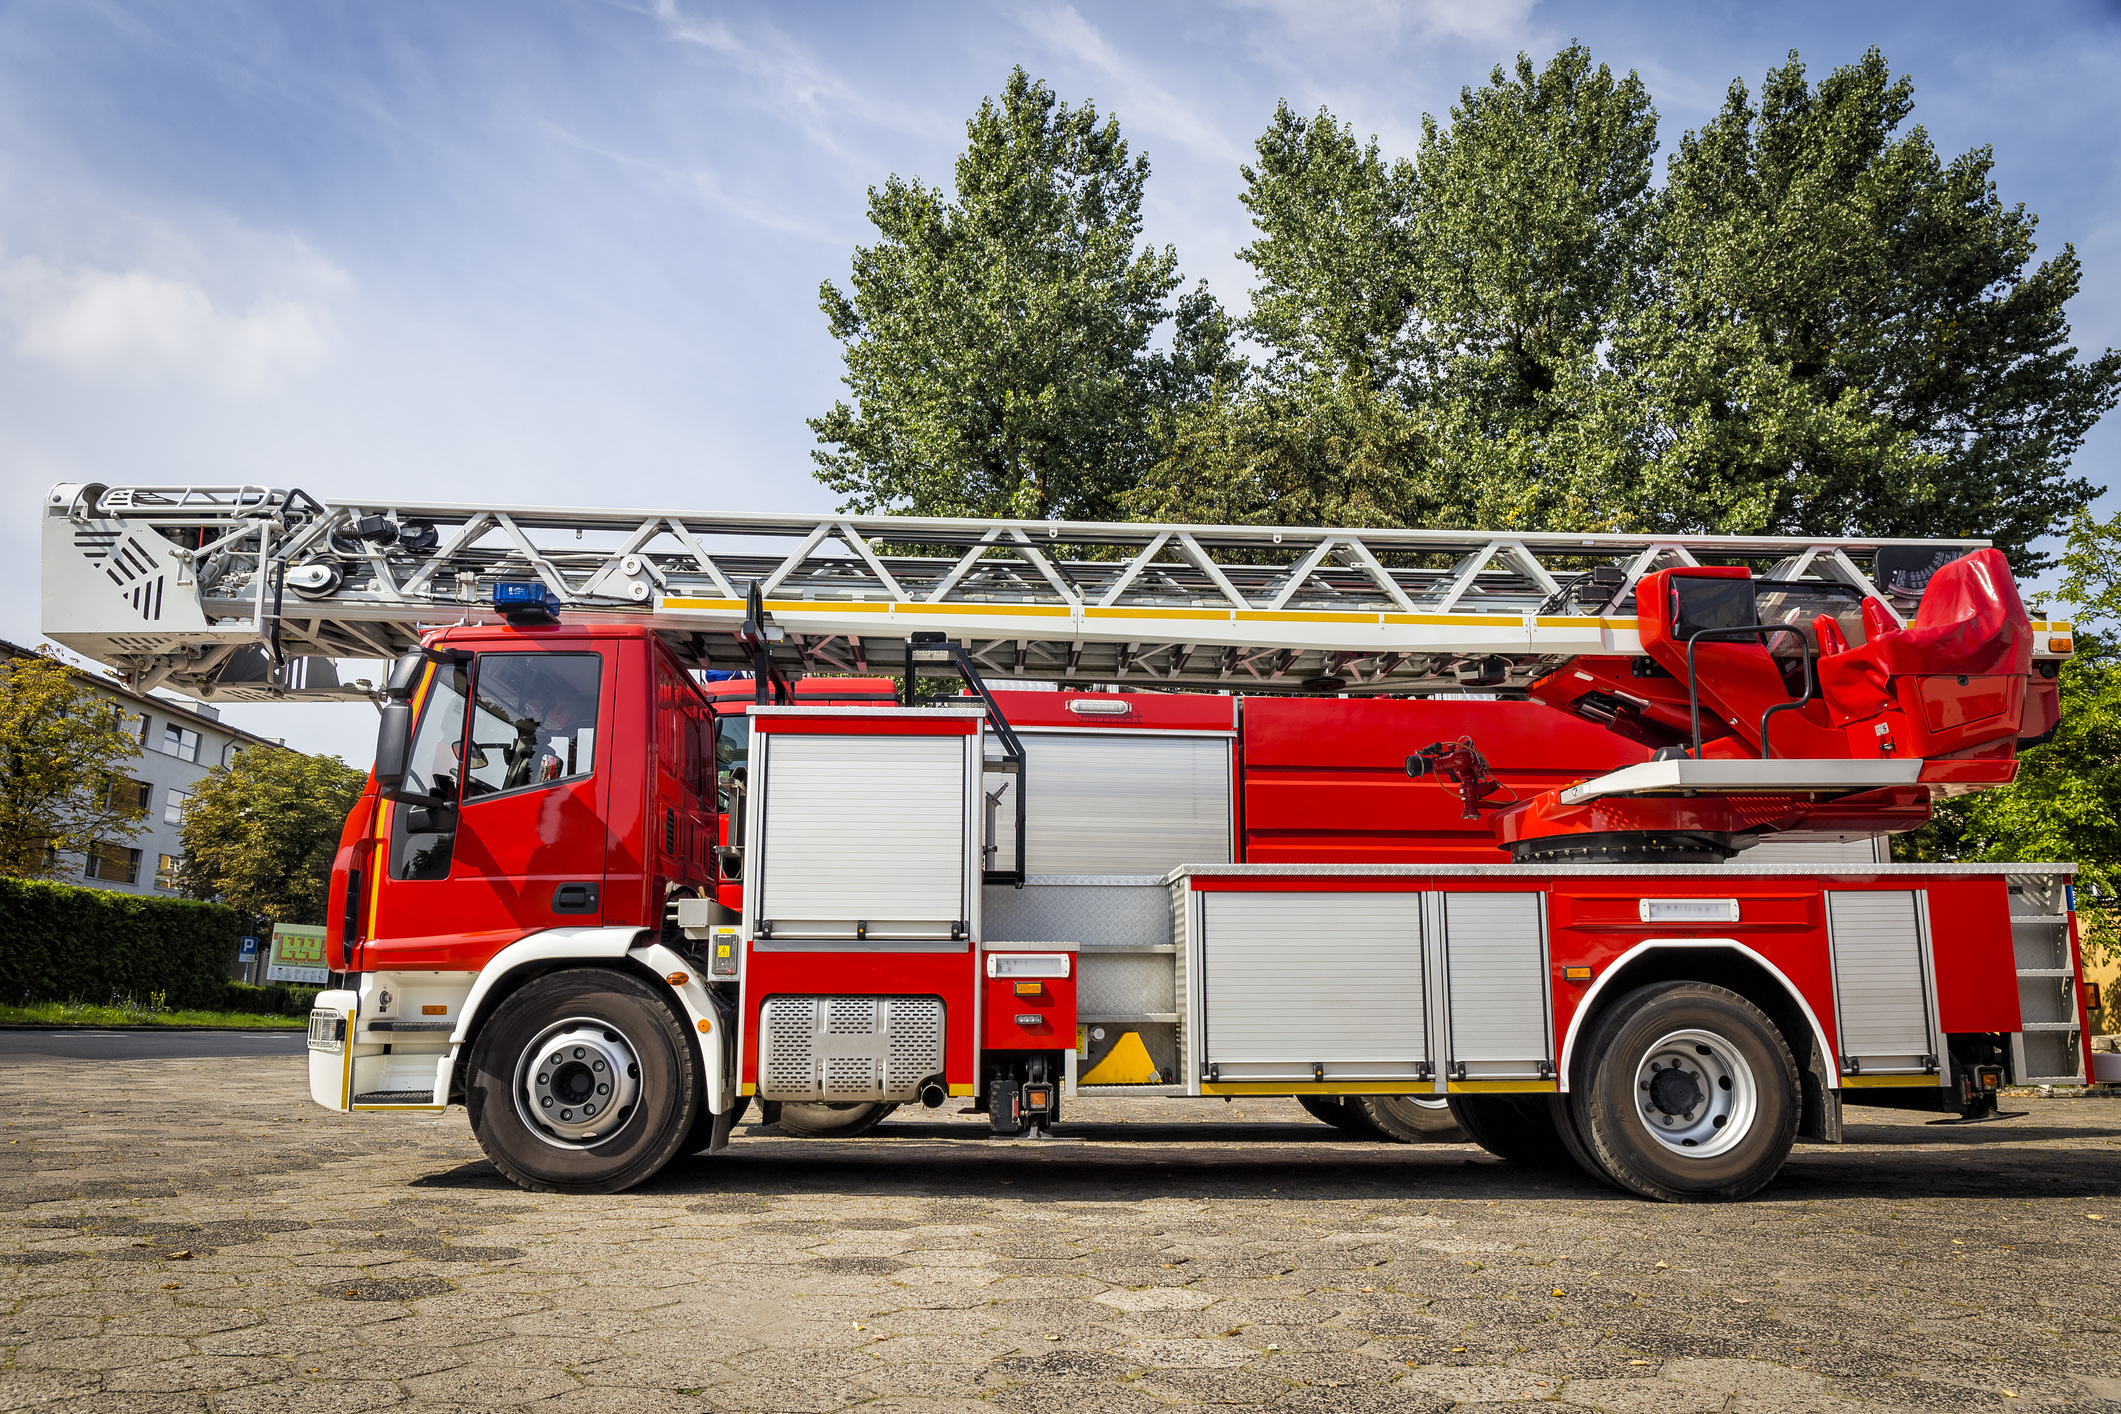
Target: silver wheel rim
x=577 y=1083
x=1695 y=1094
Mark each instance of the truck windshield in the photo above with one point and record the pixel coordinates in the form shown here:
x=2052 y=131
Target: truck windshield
x=534 y=721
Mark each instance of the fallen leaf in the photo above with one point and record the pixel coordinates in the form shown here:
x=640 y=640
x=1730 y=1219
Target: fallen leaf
x=1638 y=1362
x=2095 y=1217
x=1660 y=1266
x=169 y=1286
x=1053 y=1337
x=1741 y=1300
x=183 y=1256
x=1233 y=1330
x=1273 y=1347
x=1557 y=1291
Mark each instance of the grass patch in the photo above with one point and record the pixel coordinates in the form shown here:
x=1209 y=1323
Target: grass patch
x=128 y=1013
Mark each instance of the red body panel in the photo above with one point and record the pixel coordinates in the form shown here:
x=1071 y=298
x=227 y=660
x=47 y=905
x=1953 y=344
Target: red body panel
x=1053 y=1005
x=1976 y=969
x=952 y=976
x=1163 y=711
x=1324 y=780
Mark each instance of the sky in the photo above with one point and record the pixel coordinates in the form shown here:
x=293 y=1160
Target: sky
x=568 y=251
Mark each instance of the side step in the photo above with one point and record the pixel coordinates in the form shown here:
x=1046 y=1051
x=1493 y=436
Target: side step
x=396 y=1097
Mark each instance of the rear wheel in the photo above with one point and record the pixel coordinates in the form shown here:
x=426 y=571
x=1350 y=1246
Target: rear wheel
x=1520 y=1128
x=1411 y=1119
x=831 y=1119
x=1689 y=1094
x=1339 y=1113
x=583 y=1082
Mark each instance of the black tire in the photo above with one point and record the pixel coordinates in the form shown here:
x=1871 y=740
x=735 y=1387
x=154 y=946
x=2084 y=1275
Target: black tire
x=1521 y=1129
x=1411 y=1119
x=1726 y=1119
x=831 y=1119
x=1334 y=1110
x=611 y=1014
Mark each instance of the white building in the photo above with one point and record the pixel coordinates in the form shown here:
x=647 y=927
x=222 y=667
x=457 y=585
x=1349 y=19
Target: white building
x=180 y=741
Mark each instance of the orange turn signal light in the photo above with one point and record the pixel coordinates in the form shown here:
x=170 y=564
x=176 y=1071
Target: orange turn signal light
x=2061 y=643
x=434 y=1011
x=1031 y=989
x=678 y=979
x=1576 y=974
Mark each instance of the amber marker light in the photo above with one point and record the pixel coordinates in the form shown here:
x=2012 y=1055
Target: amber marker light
x=678 y=979
x=2061 y=644
x=706 y=1025
x=1576 y=974
x=1031 y=989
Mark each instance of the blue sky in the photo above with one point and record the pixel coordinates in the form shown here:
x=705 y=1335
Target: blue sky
x=567 y=250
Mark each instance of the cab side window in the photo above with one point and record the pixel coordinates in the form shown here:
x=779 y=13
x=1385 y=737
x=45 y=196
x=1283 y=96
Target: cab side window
x=533 y=721
x=432 y=771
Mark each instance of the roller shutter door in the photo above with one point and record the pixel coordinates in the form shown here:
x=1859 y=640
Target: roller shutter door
x=1881 y=982
x=1299 y=980
x=1496 y=956
x=868 y=828
x=1110 y=804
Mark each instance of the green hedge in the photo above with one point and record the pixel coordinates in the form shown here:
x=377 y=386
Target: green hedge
x=273 y=999
x=62 y=943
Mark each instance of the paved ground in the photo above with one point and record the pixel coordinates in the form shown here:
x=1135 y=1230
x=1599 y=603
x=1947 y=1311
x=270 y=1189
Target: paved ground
x=190 y=1234
x=150 y=1045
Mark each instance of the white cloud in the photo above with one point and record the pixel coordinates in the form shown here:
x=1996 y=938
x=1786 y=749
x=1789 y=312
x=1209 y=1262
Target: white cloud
x=138 y=324
x=1138 y=100
x=1363 y=23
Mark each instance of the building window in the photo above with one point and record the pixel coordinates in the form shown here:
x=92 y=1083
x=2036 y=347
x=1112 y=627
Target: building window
x=130 y=796
x=166 y=871
x=113 y=862
x=177 y=742
x=39 y=854
x=173 y=806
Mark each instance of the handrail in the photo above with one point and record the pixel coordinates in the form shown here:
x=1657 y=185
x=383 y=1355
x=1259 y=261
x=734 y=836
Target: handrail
x=1693 y=683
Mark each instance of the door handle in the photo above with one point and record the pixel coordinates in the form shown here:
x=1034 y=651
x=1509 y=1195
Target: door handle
x=575 y=898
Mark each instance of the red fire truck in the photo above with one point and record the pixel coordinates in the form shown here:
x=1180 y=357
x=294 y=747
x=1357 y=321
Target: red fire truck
x=1587 y=861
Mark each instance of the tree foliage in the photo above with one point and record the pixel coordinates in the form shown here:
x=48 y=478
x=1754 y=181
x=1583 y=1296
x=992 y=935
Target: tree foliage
x=1817 y=325
x=1844 y=336
x=259 y=833
x=61 y=745
x=998 y=344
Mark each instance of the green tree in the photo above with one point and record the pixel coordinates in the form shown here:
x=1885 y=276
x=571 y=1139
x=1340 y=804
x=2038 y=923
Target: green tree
x=1533 y=219
x=259 y=833
x=1844 y=337
x=998 y=345
x=2066 y=802
x=62 y=744
x=1438 y=331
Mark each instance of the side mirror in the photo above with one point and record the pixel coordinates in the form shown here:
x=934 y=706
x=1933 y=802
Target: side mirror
x=431 y=819
x=393 y=747
x=1419 y=766
x=403 y=678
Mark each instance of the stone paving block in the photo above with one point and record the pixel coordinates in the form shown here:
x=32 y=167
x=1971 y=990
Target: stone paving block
x=1621 y=1396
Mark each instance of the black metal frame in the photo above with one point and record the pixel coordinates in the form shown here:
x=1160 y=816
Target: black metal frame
x=1012 y=746
x=1762 y=631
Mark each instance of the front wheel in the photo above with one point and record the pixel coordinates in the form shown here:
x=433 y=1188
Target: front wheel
x=1689 y=1093
x=1412 y=1119
x=583 y=1082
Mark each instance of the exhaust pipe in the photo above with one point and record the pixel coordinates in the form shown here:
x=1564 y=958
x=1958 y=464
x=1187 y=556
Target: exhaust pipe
x=933 y=1095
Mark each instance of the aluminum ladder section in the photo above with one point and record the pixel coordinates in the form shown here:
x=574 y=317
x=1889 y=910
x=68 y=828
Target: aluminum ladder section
x=225 y=591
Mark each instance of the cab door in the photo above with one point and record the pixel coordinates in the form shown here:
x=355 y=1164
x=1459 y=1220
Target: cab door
x=514 y=739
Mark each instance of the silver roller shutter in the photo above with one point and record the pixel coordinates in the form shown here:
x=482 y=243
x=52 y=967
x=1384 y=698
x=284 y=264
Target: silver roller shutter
x=1111 y=804
x=868 y=828
x=1496 y=964
x=1295 y=981
x=1881 y=982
